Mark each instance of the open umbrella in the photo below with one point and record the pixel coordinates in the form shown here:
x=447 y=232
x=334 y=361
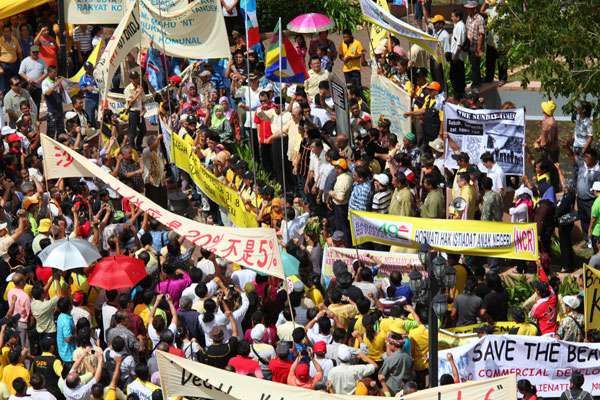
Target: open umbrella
x=310 y=23
x=291 y=265
x=117 y=272
x=65 y=254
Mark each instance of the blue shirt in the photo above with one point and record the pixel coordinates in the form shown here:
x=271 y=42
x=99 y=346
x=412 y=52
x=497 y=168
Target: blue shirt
x=65 y=327
x=89 y=81
x=159 y=239
x=26 y=46
x=359 y=199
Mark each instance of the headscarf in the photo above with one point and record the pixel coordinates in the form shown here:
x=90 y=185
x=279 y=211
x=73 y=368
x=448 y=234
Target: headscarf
x=188 y=86
x=216 y=122
x=229 y=111
x=276 y=215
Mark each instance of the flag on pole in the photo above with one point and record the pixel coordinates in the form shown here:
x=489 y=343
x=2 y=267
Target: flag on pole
x=401 y=3
x=248 y=8
x=292 y=68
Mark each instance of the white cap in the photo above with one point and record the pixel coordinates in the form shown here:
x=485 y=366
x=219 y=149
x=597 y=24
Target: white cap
x=3 y=226
x=257 y=333
x=298 y=286
x=596 y=186
x=572 y=301
x=382 y=178
x=7 y=130
x=344 y=353
x=524 y=190
x=69 y=115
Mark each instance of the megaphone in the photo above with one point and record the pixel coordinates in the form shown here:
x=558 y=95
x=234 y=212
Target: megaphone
x=459 y=204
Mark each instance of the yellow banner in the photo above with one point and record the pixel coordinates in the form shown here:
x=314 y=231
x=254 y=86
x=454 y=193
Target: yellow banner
x=378 y=34
x=184 y=158
x=500 y=327
x=487 y=239
x=591 y=297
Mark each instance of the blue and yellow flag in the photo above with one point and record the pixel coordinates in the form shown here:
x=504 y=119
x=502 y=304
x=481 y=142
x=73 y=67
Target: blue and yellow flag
x=292 y=67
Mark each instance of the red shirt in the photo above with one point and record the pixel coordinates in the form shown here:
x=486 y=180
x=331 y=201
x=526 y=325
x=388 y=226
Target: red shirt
x=264 y=128
x=177 y=352
x=49 y=51
x=280 y=369
x=246 y=366
x=544 y=310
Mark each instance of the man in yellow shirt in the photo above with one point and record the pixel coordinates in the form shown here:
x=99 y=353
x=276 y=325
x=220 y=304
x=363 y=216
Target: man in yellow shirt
x=315 y=76
x=10 y=55
x=419 y=345
x=14 y=370
x=344 y=312
x=522 y=327
x=351 y=51
x=468 y=193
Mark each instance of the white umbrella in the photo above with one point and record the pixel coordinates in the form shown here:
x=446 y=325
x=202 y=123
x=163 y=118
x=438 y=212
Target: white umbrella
x=68 y=254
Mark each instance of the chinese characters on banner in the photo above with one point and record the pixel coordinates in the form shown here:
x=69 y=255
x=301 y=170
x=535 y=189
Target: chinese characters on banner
x=254 y=248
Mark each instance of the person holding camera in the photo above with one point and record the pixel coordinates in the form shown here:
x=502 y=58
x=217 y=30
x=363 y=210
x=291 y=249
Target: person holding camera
x=299 y=375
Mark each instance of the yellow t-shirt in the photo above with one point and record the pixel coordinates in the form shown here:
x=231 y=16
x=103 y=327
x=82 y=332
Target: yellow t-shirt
x=353 y=49
x=419 y=345
x=376 y=347
x=9 y=52
x=315 y=295
x=12 y=372
x=143 y=311
x=344 y=312
x=401 y=324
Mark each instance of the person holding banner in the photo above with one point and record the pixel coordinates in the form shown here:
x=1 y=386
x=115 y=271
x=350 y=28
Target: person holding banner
x=134 y=95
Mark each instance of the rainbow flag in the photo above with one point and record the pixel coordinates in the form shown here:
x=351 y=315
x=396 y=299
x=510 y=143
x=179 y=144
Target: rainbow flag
x=292 y=68
x=248 y=8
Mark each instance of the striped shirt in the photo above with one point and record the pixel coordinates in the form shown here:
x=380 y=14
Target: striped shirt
x=381 y=201
x=359 y=199
x=83 y=38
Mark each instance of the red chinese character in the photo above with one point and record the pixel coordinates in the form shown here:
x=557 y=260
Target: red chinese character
x=138 y=202
x=231 y=249
x=154 y=213
x=173 y=225
x=244 y=260
x=128 y=198
x=212 y=246
x=68 y=159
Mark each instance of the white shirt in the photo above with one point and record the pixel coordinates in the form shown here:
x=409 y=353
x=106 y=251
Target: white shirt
x=243 y=276
x=107 y=312
x=325 y=363
x=497 y=176
x=444 y=37
x=459 y=35
x=42 y=394
x=316 y=163
x=191 y=292
x=519 y=213
x=155 y=337
x=344 y=377
x=229 y=3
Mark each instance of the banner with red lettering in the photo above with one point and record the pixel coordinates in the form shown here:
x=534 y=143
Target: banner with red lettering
x=255 y=248
x=546 y=362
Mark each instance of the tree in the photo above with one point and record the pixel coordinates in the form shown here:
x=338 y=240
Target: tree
x=557 y=42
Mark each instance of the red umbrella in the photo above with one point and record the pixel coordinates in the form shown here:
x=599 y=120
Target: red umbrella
x=117 y=272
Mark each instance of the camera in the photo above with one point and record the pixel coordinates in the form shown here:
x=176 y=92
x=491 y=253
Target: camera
x=231 y=288
x=304 y=351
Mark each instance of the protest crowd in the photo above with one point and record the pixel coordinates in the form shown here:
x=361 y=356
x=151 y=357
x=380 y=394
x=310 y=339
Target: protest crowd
x=361 y=331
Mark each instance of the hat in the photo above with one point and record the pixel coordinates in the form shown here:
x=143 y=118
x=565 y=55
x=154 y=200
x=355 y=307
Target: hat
x=248 y=175
x=34 y=48
x=572 y=301
x=517 y=313
x=29 y=202
x=366 y=117
x=298 y=286
x=437 y=18
x=548 y=107
x=134 y=74
x=379 y=50
x=69 y=115
x=344 y=353
x=471 y=4
x=14 y=137
x=78 y=297
x=472 y=96
x=484 y=329
x=240 y=164
x=257 y=333
x=302 y=372
x=7 y=130
x=462 y=156
x=595 y=187
x=190 y=119
x=45 y=225
x=91 y=133
x=341 y=162
x=437 y=145
x=337 y=236
x=87 y=65
x=473 y=169
x=172 y=235
x=435 y=86
x=320 y=347
x=382 y=178
x=524 y=190
x=205 y=74
x=3 y=226
x=398 y=327
x=269 y=87
x=361 y=389
x=283 y=349
x=252 y=76
x=185 y=301
x=216 y=334
x=176 y=79
x=410 y=137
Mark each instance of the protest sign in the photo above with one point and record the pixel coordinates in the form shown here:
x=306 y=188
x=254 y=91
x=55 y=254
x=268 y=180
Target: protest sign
x=126 y=37
x=254 y=248
x=546 y=362
x=94 y=11
x=184 y=157
x=181 y=377
x=391 y=261
x=389 y=101
x=591 y=297
x=487 y=239
x=340 y=104
x=500 y=132
x=377 y=15
x=197 y=29
x=378 y=36
x=116 y=102
x=72 y=84
x=500 y=327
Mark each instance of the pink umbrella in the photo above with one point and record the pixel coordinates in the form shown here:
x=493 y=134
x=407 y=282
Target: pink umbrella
x=310 y=23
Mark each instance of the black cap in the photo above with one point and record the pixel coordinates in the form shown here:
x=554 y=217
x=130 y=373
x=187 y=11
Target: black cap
x=190 y=119
x=87 y=65
x=248 y=175
x=240 y=164
x=472 y=169
x=233 y=159
x=134 y=74
x=268 y=191
x=462 y=156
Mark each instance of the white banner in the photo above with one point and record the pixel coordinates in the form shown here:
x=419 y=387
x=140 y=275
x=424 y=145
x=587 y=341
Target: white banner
x=199 y=29
x=389 y=101
x=546 y=362
x=254 y=248
x=116 y=102
x=110 y=11
x=181 y=377
x=500 y=132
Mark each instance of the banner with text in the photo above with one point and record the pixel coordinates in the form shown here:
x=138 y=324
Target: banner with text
x=546 y=362
x=116 y=102
x=110 y=11
x=197 y=29
x=500 y=327
x=254 y=248
x=487 y=239
x=591 y=297
x=184 y=157
x=389 y=101
x=499 y=132
x=378 y=36
x=390 y=261
x=181 y=377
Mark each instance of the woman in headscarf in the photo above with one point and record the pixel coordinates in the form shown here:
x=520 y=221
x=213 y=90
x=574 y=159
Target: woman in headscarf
x=565 y=218
x=192 y=96
x=276 y=212
x=232 y=117
x=221 y=125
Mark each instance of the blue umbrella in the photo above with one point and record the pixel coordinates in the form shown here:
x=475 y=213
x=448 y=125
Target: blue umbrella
x=291 y=265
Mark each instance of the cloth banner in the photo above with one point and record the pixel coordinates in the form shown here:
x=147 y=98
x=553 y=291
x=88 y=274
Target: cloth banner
x=110 y=11
x=72 y=84
x=14 y=7
x=377 y=15
x=546 y=362
x=198 y=29
x=182 y=377
x=255 y=248
x=126 y=37
x=116 y=102
x=378 y=36
x=591 y=297
x=500 y=132
x=389 y=101
x=500 y=327
x=185 y=158
x=480 y=238
x=391 y=262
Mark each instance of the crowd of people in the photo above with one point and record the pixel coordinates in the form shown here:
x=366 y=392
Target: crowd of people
x=62 y=338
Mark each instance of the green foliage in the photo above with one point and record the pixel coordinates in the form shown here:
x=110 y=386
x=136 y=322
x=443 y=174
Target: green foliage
x=557 y=44
x=314 y=225
x=346 y=14
x=519 y=289
x=569 y=286
x=245 y=154
x=269 y=11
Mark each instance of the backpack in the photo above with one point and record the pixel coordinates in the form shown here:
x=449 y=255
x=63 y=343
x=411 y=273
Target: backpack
x=581 y=396
x=466 y=45
x=110 y=365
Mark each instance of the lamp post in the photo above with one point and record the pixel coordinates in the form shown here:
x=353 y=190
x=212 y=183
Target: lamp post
x=439 y=276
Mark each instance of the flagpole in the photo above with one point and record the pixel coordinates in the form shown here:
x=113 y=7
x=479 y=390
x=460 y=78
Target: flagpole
x=162 y=33
x=281 y=111
x=250 y=102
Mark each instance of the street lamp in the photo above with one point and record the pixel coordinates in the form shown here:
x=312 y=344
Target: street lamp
x=439 y=263
x=424 y=251
x=449 y=277
x=440 y=305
